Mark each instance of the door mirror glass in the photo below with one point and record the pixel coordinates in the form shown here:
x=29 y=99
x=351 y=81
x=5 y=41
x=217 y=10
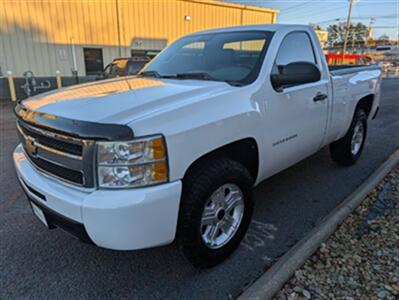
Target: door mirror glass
x=294 y=74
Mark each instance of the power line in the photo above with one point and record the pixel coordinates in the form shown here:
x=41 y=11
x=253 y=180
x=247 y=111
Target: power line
x=358 y=18
x=397 y=26
x=379 y=17
x=387 y=22
x=328 y=21
x=295 y=6
x=316 y=11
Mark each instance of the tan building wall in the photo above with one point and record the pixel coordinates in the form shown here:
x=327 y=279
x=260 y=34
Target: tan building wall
x=42 y=35
x=323 y=37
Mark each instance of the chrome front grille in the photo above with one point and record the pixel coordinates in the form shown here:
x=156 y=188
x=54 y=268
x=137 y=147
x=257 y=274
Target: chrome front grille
x=67 y=158
x=71 y=146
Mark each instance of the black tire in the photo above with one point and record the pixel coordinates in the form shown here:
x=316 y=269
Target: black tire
x=340 y=150
x=198 y=186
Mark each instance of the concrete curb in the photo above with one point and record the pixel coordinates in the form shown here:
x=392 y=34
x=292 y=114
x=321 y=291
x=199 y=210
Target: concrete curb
x=275 y=277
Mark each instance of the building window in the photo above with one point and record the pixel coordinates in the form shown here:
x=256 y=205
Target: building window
x=144 y=53
x=93 y=60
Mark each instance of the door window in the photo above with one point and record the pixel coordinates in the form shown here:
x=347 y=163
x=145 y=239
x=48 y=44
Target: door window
x=133 y=67
x=93 y=60
x=296 y=47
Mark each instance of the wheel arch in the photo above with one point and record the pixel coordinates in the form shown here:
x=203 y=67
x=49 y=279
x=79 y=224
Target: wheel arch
x=244 y=151
x=365 y=103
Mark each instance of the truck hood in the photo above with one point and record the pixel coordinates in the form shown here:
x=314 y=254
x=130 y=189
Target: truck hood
x=122 y=100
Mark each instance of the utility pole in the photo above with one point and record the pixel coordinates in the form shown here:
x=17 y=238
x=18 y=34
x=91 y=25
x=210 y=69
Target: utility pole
x=118 y=27
x=368 y=33
x=347 y=27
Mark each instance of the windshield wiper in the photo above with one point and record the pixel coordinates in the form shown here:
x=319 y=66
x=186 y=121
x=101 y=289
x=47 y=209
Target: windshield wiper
x=150 y=74
x=188 y=75
x=155 y=74
x=206 y=76
x=195 y=75
x=235 y=82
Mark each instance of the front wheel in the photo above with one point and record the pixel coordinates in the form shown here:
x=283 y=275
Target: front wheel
x=347 y=150
x=215 y=212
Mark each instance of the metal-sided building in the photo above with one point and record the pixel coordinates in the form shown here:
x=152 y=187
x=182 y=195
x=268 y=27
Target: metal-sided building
x=84 y=35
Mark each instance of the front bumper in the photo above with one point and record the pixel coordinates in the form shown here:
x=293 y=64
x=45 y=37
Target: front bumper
x=116 y=219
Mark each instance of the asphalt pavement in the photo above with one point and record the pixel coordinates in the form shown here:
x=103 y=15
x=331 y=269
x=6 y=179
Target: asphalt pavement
x=37 y=264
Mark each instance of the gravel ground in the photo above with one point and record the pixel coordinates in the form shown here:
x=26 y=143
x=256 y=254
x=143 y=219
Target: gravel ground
x=361 y=259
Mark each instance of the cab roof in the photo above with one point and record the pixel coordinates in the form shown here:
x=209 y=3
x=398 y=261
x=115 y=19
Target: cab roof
x=259 y=27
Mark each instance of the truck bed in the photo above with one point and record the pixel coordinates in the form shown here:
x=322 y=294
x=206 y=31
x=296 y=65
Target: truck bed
x=347 y=69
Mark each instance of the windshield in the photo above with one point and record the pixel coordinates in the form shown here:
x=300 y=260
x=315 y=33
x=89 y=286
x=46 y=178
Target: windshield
x=134 y=66
x=233 y=57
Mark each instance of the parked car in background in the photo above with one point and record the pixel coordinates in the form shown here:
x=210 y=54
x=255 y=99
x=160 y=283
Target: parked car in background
x=174 y=152
x=123 y=67
x=384 y=48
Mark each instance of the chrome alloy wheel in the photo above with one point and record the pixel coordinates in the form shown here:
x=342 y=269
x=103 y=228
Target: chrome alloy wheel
x=357 y=138
x=222 y=215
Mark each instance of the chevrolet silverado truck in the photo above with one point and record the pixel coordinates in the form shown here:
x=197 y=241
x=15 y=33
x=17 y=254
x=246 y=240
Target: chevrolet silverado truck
x=174 y=152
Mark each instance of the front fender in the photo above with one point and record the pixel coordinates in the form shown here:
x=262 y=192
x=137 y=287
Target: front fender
x=194 y=130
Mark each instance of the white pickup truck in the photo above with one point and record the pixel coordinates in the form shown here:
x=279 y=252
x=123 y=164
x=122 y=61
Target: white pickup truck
x=174 y=152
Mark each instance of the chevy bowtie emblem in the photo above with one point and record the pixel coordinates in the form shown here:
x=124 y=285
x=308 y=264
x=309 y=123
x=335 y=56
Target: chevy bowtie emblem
x=30 y=146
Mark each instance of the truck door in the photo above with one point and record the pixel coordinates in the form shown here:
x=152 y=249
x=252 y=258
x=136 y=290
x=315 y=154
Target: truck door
x=297 y=114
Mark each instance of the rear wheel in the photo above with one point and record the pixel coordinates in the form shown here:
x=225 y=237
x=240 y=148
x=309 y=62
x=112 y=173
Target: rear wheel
x=347 y=150
x=215 y=212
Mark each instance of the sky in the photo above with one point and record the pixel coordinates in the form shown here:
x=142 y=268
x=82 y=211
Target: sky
x=325 y=12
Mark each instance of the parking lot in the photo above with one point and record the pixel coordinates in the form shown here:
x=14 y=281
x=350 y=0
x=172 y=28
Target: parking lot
x=36 y=263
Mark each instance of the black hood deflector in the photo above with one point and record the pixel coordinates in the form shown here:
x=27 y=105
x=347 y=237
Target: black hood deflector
x=74 y=128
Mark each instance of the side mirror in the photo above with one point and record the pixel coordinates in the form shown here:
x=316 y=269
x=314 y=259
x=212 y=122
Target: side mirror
x=295 y=73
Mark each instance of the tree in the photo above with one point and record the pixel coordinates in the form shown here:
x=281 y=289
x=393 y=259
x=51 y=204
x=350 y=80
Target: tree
x=384 y=37
x=315 y=26
x=360 y=32
x=336 y=33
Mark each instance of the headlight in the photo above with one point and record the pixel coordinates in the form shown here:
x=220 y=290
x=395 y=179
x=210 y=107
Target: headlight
x=133 y=163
